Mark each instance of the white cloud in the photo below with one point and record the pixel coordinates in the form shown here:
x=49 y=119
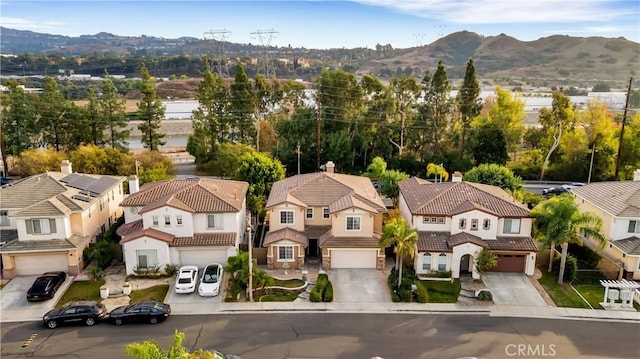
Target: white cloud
x=25 y=24
x=505 y=11
x=591 y=30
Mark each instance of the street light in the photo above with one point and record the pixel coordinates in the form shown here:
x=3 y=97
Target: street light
x=250 y=245
x=593 y=152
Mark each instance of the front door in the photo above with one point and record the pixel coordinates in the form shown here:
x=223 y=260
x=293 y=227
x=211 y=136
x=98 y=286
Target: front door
x=464 y=263
x=312 y=249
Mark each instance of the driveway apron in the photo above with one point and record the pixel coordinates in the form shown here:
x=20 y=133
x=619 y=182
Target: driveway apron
x=359 y=285
x=512 y=289
x=13 y=299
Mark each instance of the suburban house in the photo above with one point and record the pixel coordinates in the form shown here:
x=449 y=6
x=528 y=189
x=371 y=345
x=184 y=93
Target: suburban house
x=193 y=221
x=455 y=220
x=327 y=214
x=47 y=220
x=618 y=204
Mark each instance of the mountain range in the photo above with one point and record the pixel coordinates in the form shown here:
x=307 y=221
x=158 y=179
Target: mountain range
x=557 y=57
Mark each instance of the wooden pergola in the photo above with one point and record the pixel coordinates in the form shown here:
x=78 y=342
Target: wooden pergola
x=623 y=289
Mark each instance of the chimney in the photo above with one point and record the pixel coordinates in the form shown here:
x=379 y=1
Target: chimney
x=636 y=175
x=65 y=167
x=134 y=185
x=456 y=177
x=330 y=167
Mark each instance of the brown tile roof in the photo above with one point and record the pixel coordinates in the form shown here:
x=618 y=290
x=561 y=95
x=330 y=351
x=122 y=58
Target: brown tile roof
x=285 y=233
x=444 y=242
x=206 y=239
x=620 y=198
x=50 y=245
x=128 y=228
x=316 y=231
x=196 y=195
x=449 y=198
x=351 y=242
x=149 y=232
x=322 y=189
x=630 y=246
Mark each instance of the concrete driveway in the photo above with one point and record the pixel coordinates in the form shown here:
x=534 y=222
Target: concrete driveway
x=14 y=304
x=512 y=289
x=359 y=285
x=192 y=298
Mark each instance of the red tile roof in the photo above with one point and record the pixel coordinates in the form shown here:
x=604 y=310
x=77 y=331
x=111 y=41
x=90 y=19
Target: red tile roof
x=149 y=232
x=285 y=234
x=444 y=242
x=206 y=239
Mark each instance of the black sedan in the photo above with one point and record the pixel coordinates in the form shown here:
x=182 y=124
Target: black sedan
x=554 y=190
x=85 y=312
x=45 y=286
x=142 y=312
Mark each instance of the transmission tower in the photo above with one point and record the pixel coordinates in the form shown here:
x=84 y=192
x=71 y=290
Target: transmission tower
x=419 y=38
x=220 y=58
x=265 y=37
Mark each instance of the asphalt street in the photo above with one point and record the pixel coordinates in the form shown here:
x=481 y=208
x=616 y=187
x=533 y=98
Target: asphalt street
x=344 y=336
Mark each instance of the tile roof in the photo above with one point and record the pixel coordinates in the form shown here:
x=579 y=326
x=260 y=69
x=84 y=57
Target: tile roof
x=149 y=232
x=351 y=242
x=620 y=198
x=450 y=198
x=206 y=239
x=196 y=195
x=75 y=241
x=444 y=242
x=630 y=246
x=316 y=231
x=128 y=228
x=322 y=189
x=7 y=235
x=285 y=233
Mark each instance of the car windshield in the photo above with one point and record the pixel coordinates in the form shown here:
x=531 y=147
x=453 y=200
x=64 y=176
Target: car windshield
x=211 y=276
x=184 y=280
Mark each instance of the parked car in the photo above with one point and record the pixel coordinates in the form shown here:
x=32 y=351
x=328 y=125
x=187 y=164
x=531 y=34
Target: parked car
x=571 y=185
x=45 y=286
x=186 y=279
x=142 y=312
x=82 y=312
x=220 y=355
x=210 y=281
x=554 y=190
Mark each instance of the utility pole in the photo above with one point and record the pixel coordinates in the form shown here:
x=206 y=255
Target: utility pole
x=297 y=152
x=221 y=59
x=593 y=152
x=264 y=38
x=250 y=248
x=419 y=38
x=318 y=128
x=624 y=120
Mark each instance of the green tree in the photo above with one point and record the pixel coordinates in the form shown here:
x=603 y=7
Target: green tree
x=630 y=157
x=558 y=220
x=32 y=162
x=101 y=253
x=376 y=170
x=262 y=279
x=489 y=145
x=438 y=171
x=112 y=109
x=396 y=232
x=154 y=166
x=555 y=122
x=435 y=111
x=506 y=113
x=404 y=92
x=390 y=179
x=97 y=160
x=468 y=100
x=242 y=107
x=52 y=120
x=150 y=112
x=495 y=175
x=261 y=171
x=95 y=119
x=151 y=350
x=18 y=121
x=485 y=260
x=238 y=268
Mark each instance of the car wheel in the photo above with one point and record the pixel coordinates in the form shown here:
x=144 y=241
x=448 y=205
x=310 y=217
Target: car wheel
x=153 y=320
x=52 y=324
x=118 y=321
x=90 y=321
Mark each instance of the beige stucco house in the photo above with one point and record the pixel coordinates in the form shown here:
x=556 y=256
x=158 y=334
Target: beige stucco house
x=50 y=218
x=192 y=221
x=457 y=219
x=334 y=216
x=618 y=204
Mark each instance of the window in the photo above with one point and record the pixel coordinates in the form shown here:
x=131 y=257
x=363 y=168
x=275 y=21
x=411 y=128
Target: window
x=4 y=218
x=41 y=226
x=440 y=219
x=133 y=210
x=325 y=213
x=512 y=225
x=167 y=220
x=89 y=212
x=147 y=258
x=101 y=204
x=286 y=217
x=214 y=221
x=442 y=262
x=155 y=220
x=309 y=213
x=486 y=224
x=434 y=220
x=634 y=226
x=285 y=254
x=474 y=224
x=426 y=261
x=463 y=223
x=113 y=194
x=179 y=220
x=425 y=219
x=353 y=223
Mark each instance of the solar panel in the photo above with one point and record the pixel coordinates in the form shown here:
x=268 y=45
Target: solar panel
x=70 y=177
x=81 y=198
x=101 y=185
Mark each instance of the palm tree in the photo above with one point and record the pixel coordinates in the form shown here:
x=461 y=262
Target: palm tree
x=438 y=171
x=262 y=279
x=376 y=170
x=396 y=232
x=559 y=220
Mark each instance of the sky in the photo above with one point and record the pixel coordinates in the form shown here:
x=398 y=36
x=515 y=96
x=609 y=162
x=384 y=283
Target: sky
x=325 y=24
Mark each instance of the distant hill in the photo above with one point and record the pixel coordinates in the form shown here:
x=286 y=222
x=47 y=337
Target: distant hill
x=558 y=57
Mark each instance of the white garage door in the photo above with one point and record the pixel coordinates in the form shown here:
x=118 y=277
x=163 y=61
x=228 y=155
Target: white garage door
x=360 y=258
x=30 y=265
x=202 y=257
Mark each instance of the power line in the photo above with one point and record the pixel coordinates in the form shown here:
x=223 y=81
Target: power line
x=265 y=37
x=221 y=59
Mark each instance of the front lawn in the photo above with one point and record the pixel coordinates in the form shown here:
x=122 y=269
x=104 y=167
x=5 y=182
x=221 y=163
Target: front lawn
x=563 y=295
x=82 y=290
x=288 y=283
x=157 y=293
x=441 y=291
x=277 y=295
x=592 y=293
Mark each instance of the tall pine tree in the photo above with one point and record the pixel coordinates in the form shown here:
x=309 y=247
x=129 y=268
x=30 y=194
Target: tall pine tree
x=469 y=102
x=242 y=107
x=150 y=112
x=112 y=108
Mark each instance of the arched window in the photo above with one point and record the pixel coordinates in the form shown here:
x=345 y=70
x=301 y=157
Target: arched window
x=426 y=261
x=442 y=262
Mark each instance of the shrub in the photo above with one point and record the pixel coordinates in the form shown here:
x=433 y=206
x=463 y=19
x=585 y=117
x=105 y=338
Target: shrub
x=322 y=280
x=405 y=294
x=395 y=297
x=485 y=295
x=585 y=254
x=315 y=295
x=570 y=268
x=171 y=269
x=327 y=296
x=95 y=273
x=422 y=296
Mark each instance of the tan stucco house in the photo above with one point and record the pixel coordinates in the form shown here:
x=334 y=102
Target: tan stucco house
x=50 y=218
x=618 y=204
x=192 y=221
x=333 y=216
x=457 y=219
